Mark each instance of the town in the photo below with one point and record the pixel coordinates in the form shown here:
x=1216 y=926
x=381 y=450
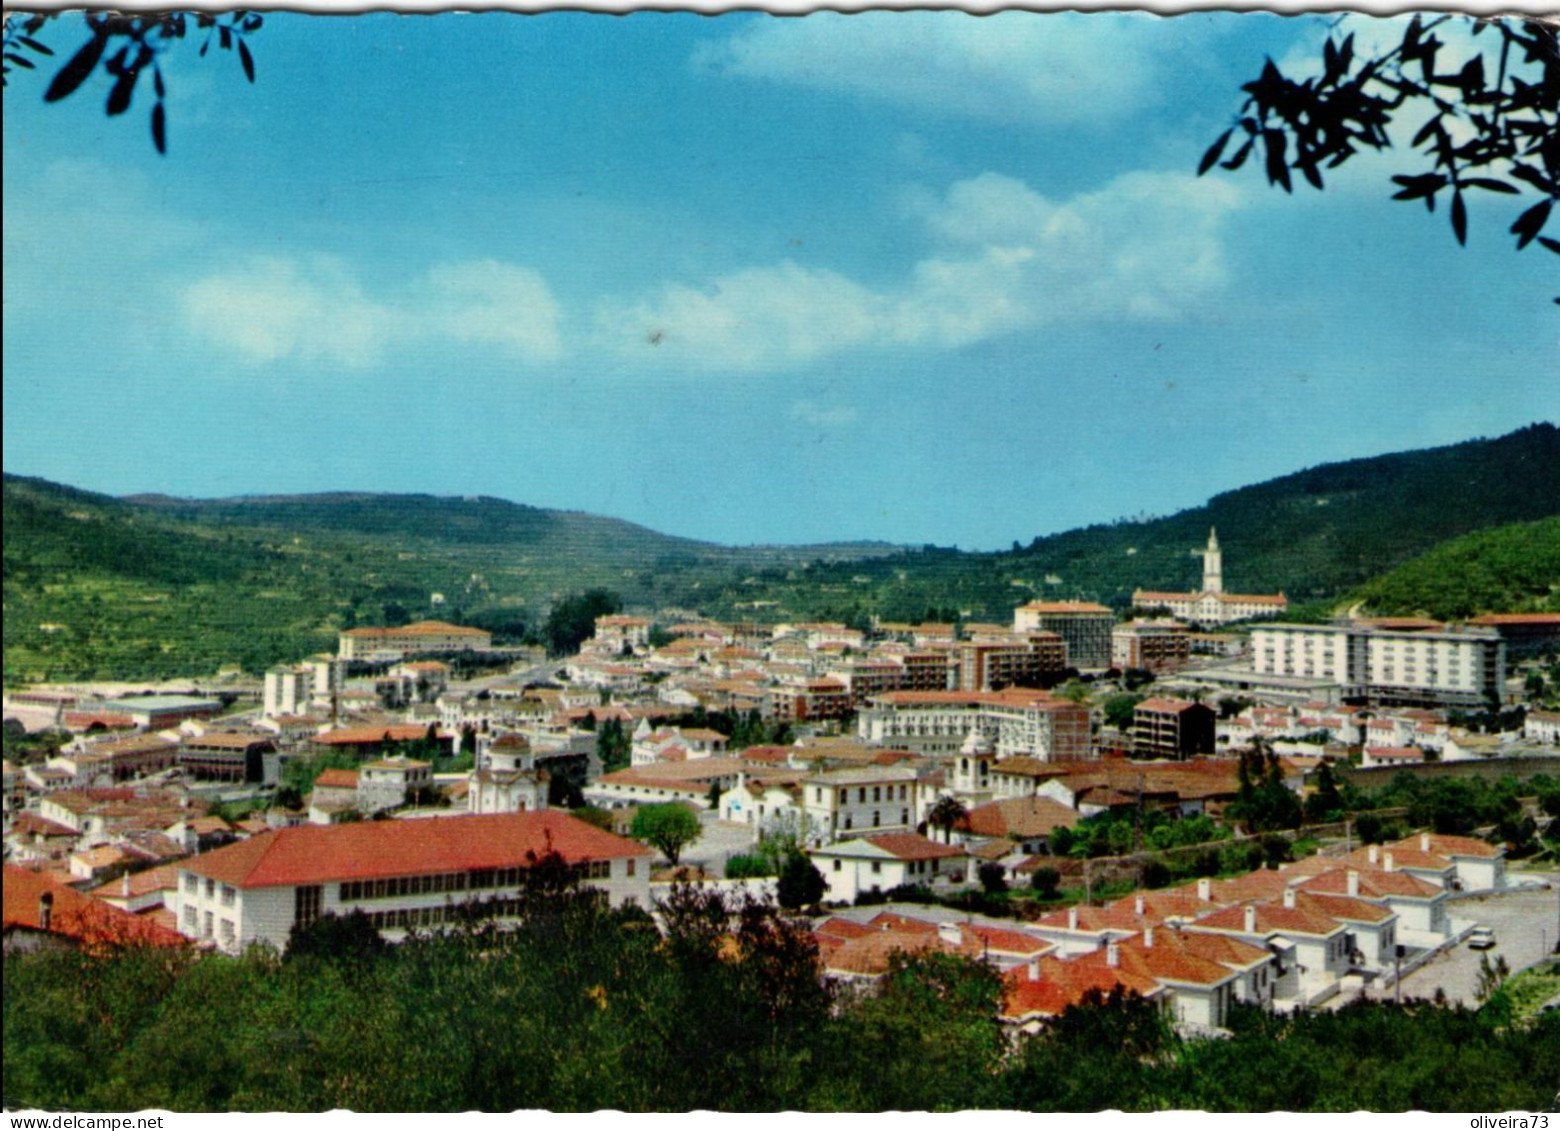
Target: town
x=1193 y=802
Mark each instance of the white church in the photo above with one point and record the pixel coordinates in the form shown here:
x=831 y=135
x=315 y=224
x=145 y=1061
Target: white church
x=1212 y=605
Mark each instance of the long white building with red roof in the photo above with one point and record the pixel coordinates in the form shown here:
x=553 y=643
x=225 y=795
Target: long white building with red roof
x=402 y=874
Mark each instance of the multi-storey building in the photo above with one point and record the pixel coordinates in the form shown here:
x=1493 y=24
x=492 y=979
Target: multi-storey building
x=1017 y=721
x=1172 y=728
x=815 y=699
x=1084 y=626
x=1149 y=644
x=990 y=664
x=411 y=639
x=401 y=874
x=859 y=802
x=1445 y=667
x=1212 y=605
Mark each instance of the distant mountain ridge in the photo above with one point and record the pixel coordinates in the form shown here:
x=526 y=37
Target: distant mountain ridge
x=152 y=585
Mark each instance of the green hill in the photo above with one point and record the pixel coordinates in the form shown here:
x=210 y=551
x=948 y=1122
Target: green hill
x=1509 y=569
x=152 y=586
x=1314 y=535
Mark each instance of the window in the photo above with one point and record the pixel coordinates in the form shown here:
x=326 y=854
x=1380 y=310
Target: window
x=191 y=883
x=228 y=895
x=211 y=889
x=877 y=867
x=876 y=818
x=306 y=904
x=836 y=865
x=227 y=932
x=206 y=929
x=630 y=871
x=191 y=917
x=847 y=821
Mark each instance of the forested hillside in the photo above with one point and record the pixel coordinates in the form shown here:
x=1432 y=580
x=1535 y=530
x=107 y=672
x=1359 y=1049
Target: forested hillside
x=1509 y=569
x=152 y=586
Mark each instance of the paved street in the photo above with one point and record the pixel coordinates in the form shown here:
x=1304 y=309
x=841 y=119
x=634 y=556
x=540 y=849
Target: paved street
x=1525 y=925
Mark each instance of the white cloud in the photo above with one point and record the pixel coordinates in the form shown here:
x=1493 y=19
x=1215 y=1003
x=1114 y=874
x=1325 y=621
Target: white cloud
x=1146 y=246
x=758 y=318
x=496 y=303
x=1065 y=68
x=276 y=308
x=314 y=309
x=826 y=417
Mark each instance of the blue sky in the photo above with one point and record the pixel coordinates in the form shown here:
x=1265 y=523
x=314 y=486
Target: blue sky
x=921 y=277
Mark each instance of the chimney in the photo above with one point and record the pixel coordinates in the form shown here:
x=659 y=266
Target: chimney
x=45 y=910
x=1034 y=969
x=1112 y=955
x=1424 y=842
x=1148 y=938
x=1251 y=918
x=949 y=933
x=124 y=885
x=1072 y=918
x=1387 y=861
x=1289 y=898
x=1205 y=890
x=1373 y=854
x=1354 y=882
x=1137 y=904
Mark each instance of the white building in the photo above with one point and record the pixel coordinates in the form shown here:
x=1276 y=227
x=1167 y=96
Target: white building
x=401 y=874
x=1212 y=605
x=1453 y=667
x=1017 y=720
x=853 y=802
x=880 y=863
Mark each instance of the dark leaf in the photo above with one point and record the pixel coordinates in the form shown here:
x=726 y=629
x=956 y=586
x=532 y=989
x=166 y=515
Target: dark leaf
x=1490 y=184
x=1459 y=218
x=227 y=38
x=1531 y=222
x=1240 y=156
x=1215 y=151
x=247 y=60
x=35 y=45
x=20 y=60
x=119 y=96
x=253 y=22
x=157 y=83
x=1311 y=173
x=1552 y=245
x=1277 y=143
x=159 y=128
x=75 y=72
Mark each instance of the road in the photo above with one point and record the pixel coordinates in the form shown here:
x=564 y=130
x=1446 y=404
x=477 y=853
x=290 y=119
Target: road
x=1525 y=925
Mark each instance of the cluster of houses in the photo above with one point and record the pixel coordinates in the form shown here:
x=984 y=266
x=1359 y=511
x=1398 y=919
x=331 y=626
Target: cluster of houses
x=1280 y=939
x=120 y=816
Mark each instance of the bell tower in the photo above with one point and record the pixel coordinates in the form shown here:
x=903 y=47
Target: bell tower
x=1213 y=565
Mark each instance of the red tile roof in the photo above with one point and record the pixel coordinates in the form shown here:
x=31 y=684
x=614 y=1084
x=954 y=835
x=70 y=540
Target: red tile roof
x=311 y=854
x=337 y=779
x=76 y=916
x=912 y=846
x=1019 y=816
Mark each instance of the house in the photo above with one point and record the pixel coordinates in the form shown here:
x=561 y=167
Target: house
x=1172 y=728
x=1476 y=866
x=422 y=637
x=1312 y=948
x=401 y=874
x=1419 y=905
x=40 y=912
x=887 y=861
x=507 y=779
x=1046 y=987
x=389 y=782
x=854 y=801
x=1027 y=822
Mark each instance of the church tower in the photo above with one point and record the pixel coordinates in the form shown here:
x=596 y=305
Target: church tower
x=1213 y=565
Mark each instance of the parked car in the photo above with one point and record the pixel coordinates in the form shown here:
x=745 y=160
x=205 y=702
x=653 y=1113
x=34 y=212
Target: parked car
x=1481 y=938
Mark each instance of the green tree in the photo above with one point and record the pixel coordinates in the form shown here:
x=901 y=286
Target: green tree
x=572 y=620
x=669 y=828
x=801 y=884
x=1490 y=125
x=945 y=814
x=1045 y=881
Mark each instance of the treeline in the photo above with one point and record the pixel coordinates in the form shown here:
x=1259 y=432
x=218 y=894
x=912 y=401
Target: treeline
x=582 y=1007
x=1509 y=569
